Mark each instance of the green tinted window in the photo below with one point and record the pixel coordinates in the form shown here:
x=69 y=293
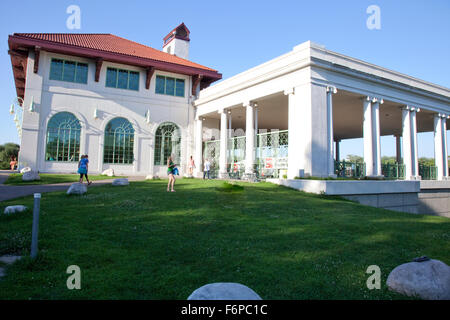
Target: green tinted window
x=56 y=69
x=122 y=79
x=81 y=73
x=160 y=84
x=70 y=71
x=133 y=81
x=111 y=77
x=179 y=88
x=119 y=142
x=169 y=86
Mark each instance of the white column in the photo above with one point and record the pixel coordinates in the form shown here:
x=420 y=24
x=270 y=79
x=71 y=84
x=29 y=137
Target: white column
x=295 y=137
x=376 y=137
x=223 y=173
x=414 y=151
x=438 y=146
x=198 y=156
x=444 y=145
x=368 y=136
x=249 y=139
x=330 y=138
x=229 y=125
x=406 y=142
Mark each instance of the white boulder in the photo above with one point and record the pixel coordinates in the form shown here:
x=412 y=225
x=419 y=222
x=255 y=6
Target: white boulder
x=31 y=176
x=120 y=182
x=224 y=291
x=14 y=209
x=77 y=188
x=108 y=172
x=26 y=169
x=428 y=280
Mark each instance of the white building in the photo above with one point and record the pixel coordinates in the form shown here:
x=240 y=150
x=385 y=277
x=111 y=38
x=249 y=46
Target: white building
x=129 y=106
x=126 y=105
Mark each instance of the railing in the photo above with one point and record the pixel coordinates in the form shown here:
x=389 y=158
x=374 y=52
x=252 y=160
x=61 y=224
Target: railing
x=393 y=170
x=271 y=154
x=427 y=172
x=211 y=151
x=346 y=169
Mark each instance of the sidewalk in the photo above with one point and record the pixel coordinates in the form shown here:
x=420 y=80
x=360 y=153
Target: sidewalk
x=8 y=192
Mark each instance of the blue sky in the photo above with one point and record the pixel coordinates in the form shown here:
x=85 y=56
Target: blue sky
x=232 y=36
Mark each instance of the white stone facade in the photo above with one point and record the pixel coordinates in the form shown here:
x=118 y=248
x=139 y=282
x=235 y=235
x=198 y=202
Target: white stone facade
x=84 y=100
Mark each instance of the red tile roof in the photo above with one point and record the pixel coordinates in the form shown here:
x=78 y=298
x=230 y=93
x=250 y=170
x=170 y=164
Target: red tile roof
x=111 y=43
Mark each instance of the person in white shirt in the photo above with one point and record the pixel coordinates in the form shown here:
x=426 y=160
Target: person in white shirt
x=206 y=168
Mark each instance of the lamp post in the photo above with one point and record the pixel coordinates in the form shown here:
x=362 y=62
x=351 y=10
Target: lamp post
x=16 y=109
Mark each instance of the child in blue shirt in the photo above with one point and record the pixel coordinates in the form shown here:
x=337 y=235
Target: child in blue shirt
x=83 y=168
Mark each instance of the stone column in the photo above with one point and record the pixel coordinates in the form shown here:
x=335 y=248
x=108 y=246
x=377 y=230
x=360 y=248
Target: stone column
x=198 y=156
x=376 y=137
x=444 y=146
x=249 y=140
x=414 y=150
x=438 y=146
x=330 y=138
x=406 y=142
x=368 y=136
x=223 y=173
x=295 y=138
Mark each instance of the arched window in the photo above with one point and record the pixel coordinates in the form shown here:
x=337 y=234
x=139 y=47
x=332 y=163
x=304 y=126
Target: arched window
x=167 y=142
x=63 y=138
x=119 y=142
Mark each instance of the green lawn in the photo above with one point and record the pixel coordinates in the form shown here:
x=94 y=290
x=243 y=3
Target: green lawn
x=50 y=178
x=141 y=242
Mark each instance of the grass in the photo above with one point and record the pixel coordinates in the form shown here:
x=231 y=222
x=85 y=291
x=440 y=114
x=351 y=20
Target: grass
x=141 y=242
x=50 y=178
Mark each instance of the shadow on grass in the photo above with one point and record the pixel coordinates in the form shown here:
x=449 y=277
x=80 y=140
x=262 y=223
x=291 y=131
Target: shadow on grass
x=141 y=242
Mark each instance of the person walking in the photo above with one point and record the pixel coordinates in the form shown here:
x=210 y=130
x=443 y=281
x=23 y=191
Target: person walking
x=83 y=168
x=207 y=168
x=170 y=173
x=191 y=167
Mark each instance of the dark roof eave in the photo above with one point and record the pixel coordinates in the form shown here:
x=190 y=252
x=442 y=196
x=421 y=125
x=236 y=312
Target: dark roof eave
x=17 y=41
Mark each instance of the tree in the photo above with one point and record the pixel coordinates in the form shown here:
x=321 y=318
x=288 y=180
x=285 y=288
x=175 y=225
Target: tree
x=354 y=158
x=8 y=151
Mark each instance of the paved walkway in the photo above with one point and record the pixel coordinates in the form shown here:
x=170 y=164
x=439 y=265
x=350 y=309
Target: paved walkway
x=8 y=192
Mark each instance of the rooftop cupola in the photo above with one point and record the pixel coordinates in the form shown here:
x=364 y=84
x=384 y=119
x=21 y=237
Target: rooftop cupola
x=177 y=42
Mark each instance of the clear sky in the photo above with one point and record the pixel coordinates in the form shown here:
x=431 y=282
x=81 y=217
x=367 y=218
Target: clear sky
x=232 y=36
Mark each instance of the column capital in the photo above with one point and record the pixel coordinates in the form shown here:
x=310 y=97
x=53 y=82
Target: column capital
x=289 y=91
x=331 y=89
x=377 y=100
x=220 y=111
x=249 y=103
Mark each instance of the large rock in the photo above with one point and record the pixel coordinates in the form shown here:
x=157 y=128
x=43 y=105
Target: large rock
x=108 y=172
x=31 y=176
x=224 y=291
x=77 y=188
x=14 y=209
x=26 y=169
x=428 y=280
x=120 y=182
